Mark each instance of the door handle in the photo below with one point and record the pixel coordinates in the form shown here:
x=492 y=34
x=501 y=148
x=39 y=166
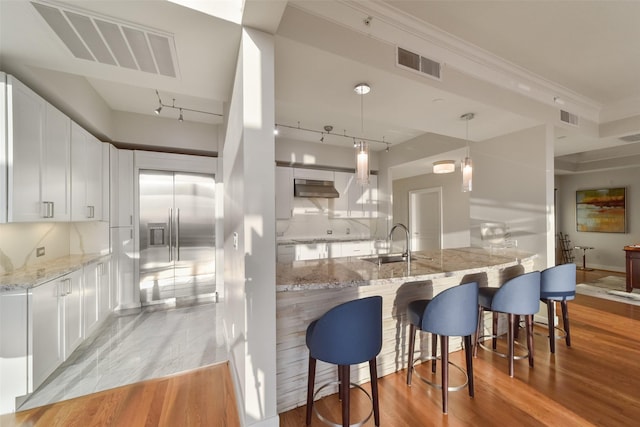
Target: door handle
x=177 y=234
x=170 y=233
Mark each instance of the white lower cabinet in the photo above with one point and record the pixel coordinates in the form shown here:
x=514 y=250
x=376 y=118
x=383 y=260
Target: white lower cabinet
x=72 y=312
x=96 y=298
x=56 y=324
x=122 y=268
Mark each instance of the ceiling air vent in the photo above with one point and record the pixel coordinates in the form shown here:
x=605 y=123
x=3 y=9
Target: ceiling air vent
x=418 y=63
x=105 y=40
x=569 y=118
x=631 y=138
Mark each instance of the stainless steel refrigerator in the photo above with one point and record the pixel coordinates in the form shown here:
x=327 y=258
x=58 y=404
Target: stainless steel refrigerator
x=177 y=235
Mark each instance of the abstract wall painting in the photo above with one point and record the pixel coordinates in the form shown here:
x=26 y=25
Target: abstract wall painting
x=601 y=210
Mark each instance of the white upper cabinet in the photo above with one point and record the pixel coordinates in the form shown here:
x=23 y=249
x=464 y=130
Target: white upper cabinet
x=106 y=191
x=284 y=192
x=38 y=159
x=3 y=148
x=121 y=187
x=86 y=175
x=355 y=201
x=317 y=174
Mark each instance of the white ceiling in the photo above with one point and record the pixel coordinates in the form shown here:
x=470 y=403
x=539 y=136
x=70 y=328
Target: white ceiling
x=588 y=51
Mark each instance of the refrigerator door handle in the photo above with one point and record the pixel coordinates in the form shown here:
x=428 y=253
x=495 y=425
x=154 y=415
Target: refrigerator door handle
x=177 y=234
x=170 y=233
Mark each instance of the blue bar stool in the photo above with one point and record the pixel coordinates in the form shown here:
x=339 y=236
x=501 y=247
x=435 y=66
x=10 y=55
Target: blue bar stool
x=453 y=312
x=348 y=334
x=519 y=296
x=558 y=284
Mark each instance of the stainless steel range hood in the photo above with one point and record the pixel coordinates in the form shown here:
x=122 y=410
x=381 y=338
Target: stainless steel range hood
x=314 y=188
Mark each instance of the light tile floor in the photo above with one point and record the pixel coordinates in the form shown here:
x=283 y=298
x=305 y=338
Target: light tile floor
x=138 y=345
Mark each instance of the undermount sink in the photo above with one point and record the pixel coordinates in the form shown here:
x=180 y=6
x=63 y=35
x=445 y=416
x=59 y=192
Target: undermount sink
x=387 y=258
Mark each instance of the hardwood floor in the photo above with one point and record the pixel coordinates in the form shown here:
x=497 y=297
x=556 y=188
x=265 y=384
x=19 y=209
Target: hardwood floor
x=202 y=397
x=595 y=382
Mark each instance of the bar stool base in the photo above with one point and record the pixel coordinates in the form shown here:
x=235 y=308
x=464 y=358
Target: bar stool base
x=498 y=353
x=332 y=424
x=436 y=385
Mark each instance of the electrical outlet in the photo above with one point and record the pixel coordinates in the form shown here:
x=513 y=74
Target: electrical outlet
x=40 y=251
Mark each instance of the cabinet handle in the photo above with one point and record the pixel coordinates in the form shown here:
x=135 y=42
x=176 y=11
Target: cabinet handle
x=69 y=286
x=47 y=208
x=90 y=211
x=131 y=220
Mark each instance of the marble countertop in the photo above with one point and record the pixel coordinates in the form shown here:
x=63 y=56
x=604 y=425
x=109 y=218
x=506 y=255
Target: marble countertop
x=32 y=276
x=324 y=239
x=356 y=271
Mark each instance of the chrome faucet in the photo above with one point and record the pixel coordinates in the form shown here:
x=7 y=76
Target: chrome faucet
x=407 y=251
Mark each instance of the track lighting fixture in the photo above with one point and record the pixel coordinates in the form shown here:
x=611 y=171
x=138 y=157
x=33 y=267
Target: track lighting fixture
x=180 y=109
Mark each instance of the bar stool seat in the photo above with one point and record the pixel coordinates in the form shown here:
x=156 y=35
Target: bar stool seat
x=348 y=334
x=558 y=284
x=450 y=313
x=517 y=296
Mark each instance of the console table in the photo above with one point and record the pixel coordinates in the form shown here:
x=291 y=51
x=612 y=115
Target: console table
x=633 y=267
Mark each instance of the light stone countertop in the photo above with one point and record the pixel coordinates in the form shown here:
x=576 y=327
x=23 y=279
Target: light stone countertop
x=325 y=239
x=32 y=276
x=428 y=265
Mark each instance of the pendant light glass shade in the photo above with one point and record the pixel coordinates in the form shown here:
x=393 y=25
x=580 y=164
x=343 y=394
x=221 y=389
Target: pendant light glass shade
x=467 y=174
x=466 y=165
x=444 y=166
x=362 y=163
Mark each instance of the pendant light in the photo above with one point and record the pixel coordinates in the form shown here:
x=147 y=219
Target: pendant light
x=466 y=165
x=362 y=148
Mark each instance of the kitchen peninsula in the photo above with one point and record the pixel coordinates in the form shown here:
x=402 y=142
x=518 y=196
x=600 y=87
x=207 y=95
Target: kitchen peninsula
x=307 y=289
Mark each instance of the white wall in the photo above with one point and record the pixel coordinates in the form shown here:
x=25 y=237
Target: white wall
x=249 y=264
x=455 y=204
x=421 y=147
x=607 y=253
x=310 y=153
x=513 y=183
x=141 y=129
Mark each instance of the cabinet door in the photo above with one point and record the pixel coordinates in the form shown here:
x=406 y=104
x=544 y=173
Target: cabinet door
x=125 y=188
x=106 y=183
x=86 y=175
x=284 y=192
x=71 y=286
x=339 y=207
x=93 y=177
x=370 y=198
x=3 y=154
x=104 y=297
x=90 y=299
x=25 y=128
x=56 y=167
x=47 y=351
x=123 y=268
x=320 y=175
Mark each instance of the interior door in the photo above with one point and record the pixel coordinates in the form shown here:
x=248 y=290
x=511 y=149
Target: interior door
x=194 y=235
x=425 y=219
